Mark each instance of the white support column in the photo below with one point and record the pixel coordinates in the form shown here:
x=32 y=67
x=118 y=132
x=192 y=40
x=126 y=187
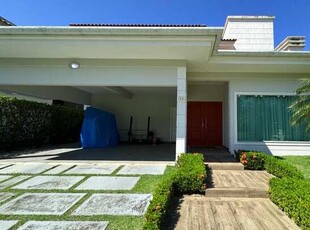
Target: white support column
x=181 y=111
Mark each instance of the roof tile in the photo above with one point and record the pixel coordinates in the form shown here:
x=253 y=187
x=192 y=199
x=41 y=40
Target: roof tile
x=135 y=25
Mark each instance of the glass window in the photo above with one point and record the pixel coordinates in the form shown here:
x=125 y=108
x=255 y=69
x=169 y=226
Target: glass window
x=267 y=118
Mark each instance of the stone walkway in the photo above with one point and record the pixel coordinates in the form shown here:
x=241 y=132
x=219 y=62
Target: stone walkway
x=235 y=199
x=42 y=189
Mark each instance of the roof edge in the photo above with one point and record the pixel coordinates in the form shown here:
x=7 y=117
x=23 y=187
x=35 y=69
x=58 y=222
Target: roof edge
x=75 y=30
x=263 y=53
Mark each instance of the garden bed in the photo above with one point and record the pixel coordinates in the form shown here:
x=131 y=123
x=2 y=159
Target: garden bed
x=289 y=189
x=187 y=178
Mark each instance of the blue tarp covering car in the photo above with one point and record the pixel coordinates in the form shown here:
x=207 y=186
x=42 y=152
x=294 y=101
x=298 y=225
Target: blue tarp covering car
x=99 y=129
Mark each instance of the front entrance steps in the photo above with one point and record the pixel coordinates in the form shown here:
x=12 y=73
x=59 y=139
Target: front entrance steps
x=224 y=166
x=211 y=213
x=236 y=192
x=224 y=182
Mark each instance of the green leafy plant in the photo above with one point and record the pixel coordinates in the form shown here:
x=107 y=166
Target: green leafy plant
x=259 y=160
x=26 y=123
x=252 y=160
x=301 y=107
x=293 y=197
x=66 y=124
x=188 y=177
x=158 y=209
x=191 y=174
x=281 y=169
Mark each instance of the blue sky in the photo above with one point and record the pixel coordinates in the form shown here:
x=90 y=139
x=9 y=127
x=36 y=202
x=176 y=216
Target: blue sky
x=292 y=17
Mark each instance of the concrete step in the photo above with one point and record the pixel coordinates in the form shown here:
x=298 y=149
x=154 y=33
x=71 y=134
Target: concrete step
x=225 y=166
x=236 y=192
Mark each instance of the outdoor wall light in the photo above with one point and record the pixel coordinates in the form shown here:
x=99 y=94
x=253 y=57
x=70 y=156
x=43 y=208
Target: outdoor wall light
x=74 y=65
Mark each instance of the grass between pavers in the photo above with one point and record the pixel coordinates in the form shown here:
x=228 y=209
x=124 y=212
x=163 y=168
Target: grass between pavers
x=146 y=184
x=115 y=222
x=301 y=162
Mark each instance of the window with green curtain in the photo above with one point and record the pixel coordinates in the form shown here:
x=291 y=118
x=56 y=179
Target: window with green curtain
x=267 y=118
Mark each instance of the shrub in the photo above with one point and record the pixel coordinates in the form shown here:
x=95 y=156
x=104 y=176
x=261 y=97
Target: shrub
x=188 y=177
x=252 y=160
x=23 y=123
x=66 y=124
x=293 y=197
x=26 y=123
x=192 y=174
x=272 y=164
x=158 y=209
x=281 y=169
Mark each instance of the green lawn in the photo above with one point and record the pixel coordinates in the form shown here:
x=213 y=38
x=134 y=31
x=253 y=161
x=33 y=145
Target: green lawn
x=146 y=184
x=301 y=162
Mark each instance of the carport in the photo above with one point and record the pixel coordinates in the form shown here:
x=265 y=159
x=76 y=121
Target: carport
x=73 y=153
x=137 y=72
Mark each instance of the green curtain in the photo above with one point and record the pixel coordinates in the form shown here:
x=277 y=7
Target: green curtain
x=267 y=118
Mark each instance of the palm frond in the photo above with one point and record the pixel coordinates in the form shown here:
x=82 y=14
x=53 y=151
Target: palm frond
x=300 y=108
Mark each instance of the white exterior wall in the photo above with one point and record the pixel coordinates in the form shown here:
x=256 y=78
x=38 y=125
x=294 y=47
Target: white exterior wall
x=181 y=132
x=216 y=91
x=140 y=107
x=252 y=34
x=206 y=92
x=62 y=75
x=268 y=87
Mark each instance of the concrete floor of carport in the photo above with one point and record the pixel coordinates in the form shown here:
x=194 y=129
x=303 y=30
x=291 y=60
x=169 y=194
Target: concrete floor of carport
x=124 y=153
x=142 y=153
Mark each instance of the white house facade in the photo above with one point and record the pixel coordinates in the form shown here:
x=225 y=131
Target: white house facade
x=202 y=86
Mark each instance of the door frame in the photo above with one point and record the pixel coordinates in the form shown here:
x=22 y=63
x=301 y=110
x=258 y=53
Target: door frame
x=220 y=125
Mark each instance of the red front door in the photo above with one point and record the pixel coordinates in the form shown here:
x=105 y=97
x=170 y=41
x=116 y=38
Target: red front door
x=204 y=124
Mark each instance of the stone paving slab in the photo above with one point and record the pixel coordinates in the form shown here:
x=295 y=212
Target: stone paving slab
x=41 y=204
x=26 y=168
x=58 y=169
x=5 y=195
x=7 y=224
x=108 y=183
x=64 y=225
x=13 y=181
x=142 y=170
x=92 y=169
x=114 y=204
x=2 y=177
x=49 y=182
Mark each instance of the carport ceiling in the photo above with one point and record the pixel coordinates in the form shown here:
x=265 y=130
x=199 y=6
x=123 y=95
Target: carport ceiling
x=132 y=90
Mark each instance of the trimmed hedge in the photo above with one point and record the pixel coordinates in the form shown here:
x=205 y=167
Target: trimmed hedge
x=188 y=177
x=252 y=160
x=66 y=124
x=293 y=197
x=157 y=211
x=192 y=174
x=259 y=160
x=27 y=124
x=281 y=169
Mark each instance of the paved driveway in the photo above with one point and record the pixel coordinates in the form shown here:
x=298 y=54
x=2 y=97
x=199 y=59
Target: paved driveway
x=84 y=196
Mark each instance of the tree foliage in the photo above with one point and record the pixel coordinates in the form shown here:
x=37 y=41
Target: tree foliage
x=301 y=107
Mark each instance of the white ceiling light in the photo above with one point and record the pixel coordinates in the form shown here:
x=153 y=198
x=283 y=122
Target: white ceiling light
x=74 y=65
